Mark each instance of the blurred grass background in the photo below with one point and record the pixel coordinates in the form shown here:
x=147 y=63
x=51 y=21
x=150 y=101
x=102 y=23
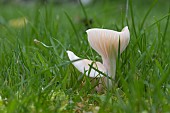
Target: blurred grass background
x=38 y=79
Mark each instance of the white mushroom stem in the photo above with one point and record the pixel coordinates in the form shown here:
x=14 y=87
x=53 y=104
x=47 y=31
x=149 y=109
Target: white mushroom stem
x=110 y=65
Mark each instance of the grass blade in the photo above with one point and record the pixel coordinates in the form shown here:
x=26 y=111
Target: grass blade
x=147 y=13
x=133 y=21
x=166 y=27
x=75 y=31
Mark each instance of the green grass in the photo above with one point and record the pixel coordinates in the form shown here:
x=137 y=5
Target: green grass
x=34 y=78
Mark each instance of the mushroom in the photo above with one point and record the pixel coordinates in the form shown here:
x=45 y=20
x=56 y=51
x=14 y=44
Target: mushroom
x=83 y=65
x=106 y=43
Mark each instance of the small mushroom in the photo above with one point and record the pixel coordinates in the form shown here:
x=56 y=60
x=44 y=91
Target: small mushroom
x=83 y=65
x=106 y=43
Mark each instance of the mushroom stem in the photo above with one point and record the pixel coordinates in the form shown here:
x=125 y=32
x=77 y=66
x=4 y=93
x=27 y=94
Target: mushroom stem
x=110 y=65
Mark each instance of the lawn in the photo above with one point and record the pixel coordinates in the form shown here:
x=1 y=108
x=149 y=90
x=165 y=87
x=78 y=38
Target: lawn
x=40 y=78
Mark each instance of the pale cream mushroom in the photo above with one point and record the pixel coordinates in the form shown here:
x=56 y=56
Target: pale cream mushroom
x=83 y=65
x=106 y=43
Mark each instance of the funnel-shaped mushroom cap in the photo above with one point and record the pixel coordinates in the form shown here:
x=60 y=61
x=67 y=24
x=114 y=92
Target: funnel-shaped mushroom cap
x=105 y=41
x=83 y=65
